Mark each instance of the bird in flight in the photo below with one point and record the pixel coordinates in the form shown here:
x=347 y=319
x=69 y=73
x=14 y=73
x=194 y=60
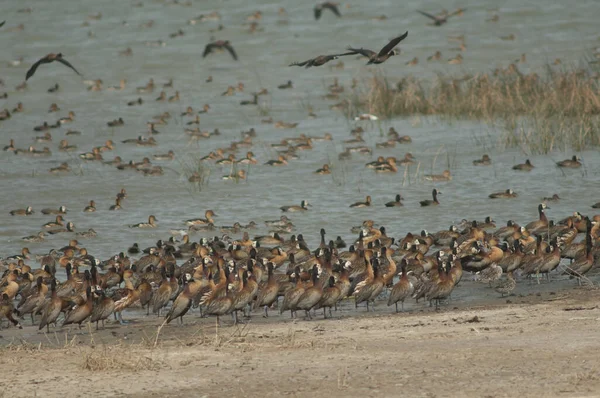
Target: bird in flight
x=320 y=60
x=46 y=60
x=327 y=5
x=439 y=20
x=219 y=44
x=384 y=54
x=2 y=23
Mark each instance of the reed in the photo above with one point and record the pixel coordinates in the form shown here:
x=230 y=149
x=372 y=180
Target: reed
x=545 y=111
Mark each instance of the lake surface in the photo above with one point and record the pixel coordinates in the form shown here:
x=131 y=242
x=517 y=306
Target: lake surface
x=544 y=32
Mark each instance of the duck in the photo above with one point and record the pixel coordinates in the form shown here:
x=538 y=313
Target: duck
x=46 y=60
x=80 y=312
x=62 y=168
x=509 y=193
x=249 y=159
x=51 y=308
x=527 y=166
x=366 y=203
x=407 y=160
x=368 y=289
x=60 y=210
x=323 y=170
x=183 y=302
x=431 y=202
x=384 y=54
x=58 y=222
x=219 y=45
x=287 y=85
x=484 y=161
x=117 y=205
x=320 y=60
x=542 y=223
x=507 y=285
x=268 y=292
x=328 y=5
x=90 y=233
x=295 y=208
x=165 y=156
x=39 y=237
x=553 y=198
x=7 y=309
x=402 y=289
x=208 y=214
x=22 y=212
x=445 y=176
x=311 y=295
x=397 y=202
x=573 y=163
x=90 y=208
x=438 y=20
x=280 y=161
x=150 y=224
x=103 y=307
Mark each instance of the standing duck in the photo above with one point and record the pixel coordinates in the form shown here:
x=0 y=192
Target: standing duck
x=371 y=286
x=402 y=289
x=312 y=295
x=81 y=312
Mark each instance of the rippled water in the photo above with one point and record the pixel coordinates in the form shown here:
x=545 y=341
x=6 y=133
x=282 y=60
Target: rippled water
x=542 y=32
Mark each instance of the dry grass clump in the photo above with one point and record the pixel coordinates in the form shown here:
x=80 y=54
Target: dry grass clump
x=543 y=112
x=120 y=358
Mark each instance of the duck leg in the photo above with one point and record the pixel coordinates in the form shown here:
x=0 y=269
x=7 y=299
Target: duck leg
x=266 y=311
x=121 y=321
x=324 y=313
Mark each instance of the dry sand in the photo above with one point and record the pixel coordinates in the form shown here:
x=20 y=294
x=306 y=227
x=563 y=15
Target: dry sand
x=538 y=346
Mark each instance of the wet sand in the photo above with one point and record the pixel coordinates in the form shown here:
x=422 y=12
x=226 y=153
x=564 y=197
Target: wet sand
x=539 y=344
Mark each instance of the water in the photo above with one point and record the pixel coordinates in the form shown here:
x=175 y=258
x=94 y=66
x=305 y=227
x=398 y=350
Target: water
x=542 y=32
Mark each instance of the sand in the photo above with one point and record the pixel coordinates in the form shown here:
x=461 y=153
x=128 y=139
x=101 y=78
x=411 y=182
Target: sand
x=542 y=345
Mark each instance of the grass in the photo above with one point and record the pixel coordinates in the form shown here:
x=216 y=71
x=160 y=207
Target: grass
x=556 y=109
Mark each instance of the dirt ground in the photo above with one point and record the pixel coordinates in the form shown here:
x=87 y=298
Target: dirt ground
x=543 y=345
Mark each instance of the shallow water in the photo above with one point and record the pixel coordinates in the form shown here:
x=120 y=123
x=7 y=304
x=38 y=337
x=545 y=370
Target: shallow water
x=542 y=32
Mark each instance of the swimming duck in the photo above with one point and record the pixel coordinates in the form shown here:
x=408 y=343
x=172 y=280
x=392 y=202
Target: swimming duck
x=90 y=233
x=63 y=168
x=430 y=202
x=386 y=52
x=407 y=160
x=91 y=207
x=280 y=161
x=60 y=210
x=395 y=203
x=116 y=122
x=46 y=60
x=435 y=57
x=208 y=214
x=509 y=193
x=22 y=212
x=286 y=85
x=445 y=176
x=527 y=166
x=484 y=161
x=573 y=163
x=553 y=198
x=39 y=237
x=366 y=203
x=295 y=208
x=323 y=170
x=165 y=156
x=150 y=224
x=249 y=159
x=67 y=119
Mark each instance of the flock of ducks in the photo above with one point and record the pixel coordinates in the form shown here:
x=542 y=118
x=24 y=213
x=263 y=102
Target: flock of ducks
x=225 y=276
x=221 y=275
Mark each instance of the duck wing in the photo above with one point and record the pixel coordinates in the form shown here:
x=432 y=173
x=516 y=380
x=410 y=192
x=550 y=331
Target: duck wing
x=393 y=43
x=66 y=63
x=34 y=67
x=318 y=10
x=428 y=15
x=362 y=51
x=229 y=48
x=333 y=8
x=208 y=49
